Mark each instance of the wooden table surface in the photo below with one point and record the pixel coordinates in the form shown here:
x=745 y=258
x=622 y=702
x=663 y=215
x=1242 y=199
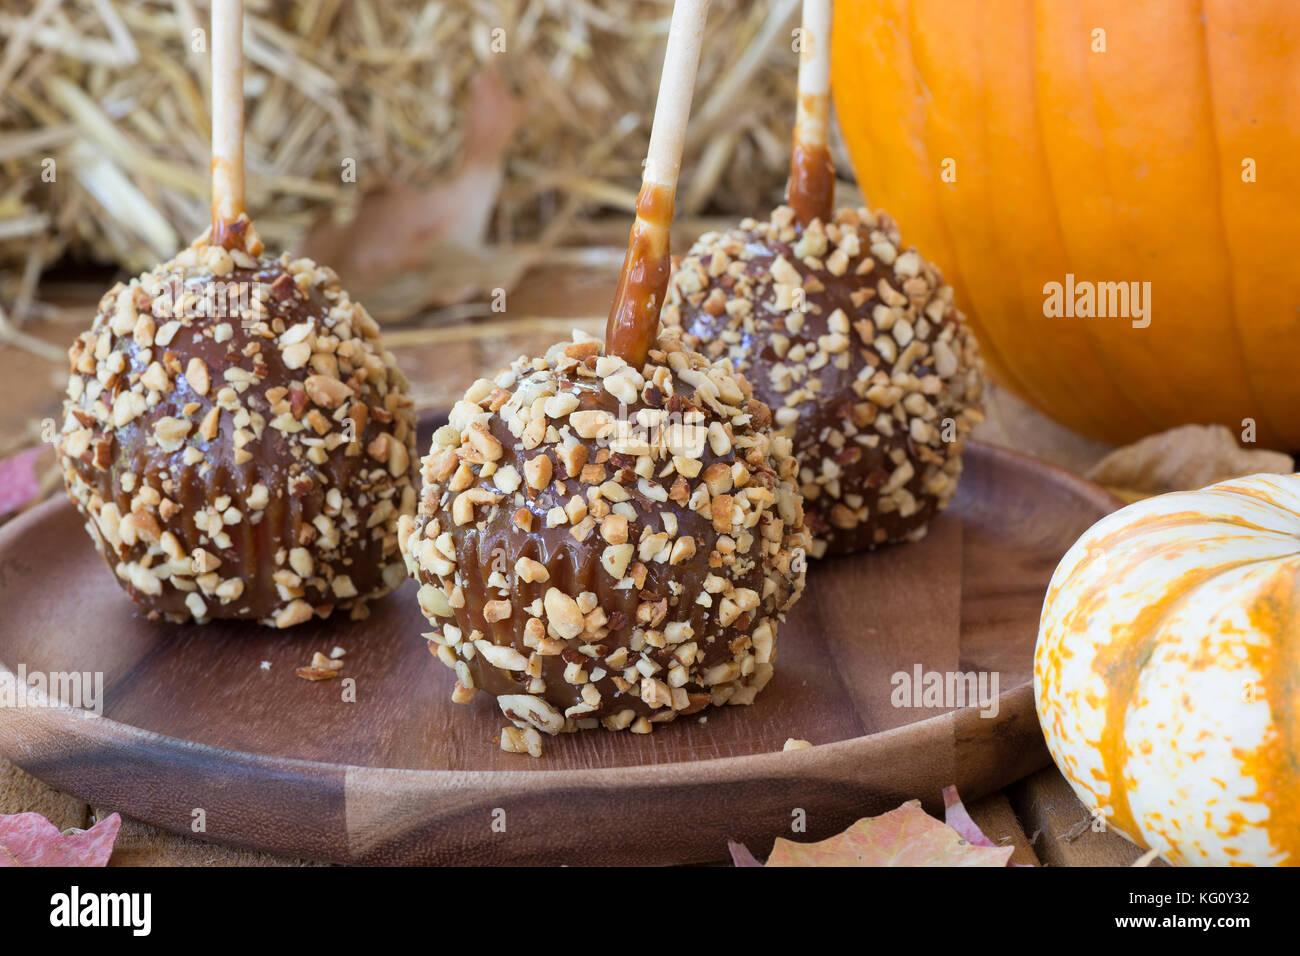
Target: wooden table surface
x=1039 y=815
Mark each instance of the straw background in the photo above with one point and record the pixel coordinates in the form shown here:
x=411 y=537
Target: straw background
x=483 y=135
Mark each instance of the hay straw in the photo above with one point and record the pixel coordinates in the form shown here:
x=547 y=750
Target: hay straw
x=111 y=92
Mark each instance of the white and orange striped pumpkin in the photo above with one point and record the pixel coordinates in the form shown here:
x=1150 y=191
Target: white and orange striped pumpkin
x=1167 y=672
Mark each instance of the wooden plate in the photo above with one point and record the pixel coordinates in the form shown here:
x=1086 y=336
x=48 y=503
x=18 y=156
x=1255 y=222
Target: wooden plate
x=193 y=720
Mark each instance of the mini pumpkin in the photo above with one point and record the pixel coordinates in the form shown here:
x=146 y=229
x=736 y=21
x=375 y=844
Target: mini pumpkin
x=1167 y=668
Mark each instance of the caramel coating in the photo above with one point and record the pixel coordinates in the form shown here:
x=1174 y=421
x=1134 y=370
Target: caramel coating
x=602 y=544
x=633 y=323
x=856 y=346
x=239 y=441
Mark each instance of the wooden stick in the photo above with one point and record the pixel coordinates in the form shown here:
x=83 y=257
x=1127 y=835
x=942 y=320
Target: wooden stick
x=227 y=118
x=633 y=323
x=811 y=191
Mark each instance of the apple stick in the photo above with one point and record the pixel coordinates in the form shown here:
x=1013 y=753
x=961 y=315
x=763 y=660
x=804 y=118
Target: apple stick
x=227 y=117
x=634 y=317
x=811 y=192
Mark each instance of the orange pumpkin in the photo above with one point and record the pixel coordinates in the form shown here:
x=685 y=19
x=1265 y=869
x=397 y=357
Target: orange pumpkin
x=1115 y=156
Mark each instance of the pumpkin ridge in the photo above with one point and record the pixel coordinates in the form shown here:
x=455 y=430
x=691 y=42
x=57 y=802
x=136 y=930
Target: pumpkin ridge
x=1030 y=301
x=952 y=264
x=1272 y=766
x=1226 y=247
x=993 y=246
x=1119 y=662
x=1095 y=89
x=1128 y=532
x=1121 y=395
x=1249 y=491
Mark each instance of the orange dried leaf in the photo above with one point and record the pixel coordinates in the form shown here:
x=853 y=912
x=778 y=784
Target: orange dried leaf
x=907 y=836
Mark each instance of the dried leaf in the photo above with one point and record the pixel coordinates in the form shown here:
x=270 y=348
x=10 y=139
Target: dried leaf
x=907 y=836
x=19 y=484
x=740 y=854
x=1183 y=458
x=28 y=839
x=955 y=816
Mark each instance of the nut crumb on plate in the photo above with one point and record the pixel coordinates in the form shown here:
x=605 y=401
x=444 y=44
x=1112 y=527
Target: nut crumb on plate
x=320 y=668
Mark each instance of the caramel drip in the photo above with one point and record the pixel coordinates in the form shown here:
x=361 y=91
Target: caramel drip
x=633 y=323
x=811 y=190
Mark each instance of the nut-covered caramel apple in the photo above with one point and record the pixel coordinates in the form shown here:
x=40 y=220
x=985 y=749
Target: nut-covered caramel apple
x=599 y=543
x=239 y=440
x=610 y=535
x=853 y=341
x=849 y=337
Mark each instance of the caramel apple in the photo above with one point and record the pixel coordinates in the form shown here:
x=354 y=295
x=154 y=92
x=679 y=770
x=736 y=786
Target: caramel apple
x=610 y=534
x=848 y=335
x=599 y=542
x=235 y=434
